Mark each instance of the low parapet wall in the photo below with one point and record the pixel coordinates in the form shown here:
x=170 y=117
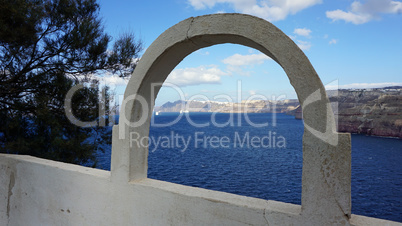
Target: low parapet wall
x=35 y=191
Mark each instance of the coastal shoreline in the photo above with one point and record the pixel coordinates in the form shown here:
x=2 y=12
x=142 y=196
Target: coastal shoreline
x=373 y=112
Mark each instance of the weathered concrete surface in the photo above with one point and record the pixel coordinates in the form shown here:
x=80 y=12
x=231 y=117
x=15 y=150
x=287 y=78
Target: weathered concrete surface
x=35 y=192
x=41 y=192
x=51 y=193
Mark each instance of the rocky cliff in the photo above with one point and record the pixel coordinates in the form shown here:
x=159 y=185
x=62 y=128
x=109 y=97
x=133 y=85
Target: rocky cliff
x=365 y=111
x=254 y=106
x=369 y=111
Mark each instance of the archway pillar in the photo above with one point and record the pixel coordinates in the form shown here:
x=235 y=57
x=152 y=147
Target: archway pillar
x=326 y=189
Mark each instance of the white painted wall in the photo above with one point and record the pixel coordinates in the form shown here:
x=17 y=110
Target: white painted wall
x=35 y=191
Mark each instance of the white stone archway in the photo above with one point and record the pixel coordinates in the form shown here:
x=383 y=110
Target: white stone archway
x=326 y=191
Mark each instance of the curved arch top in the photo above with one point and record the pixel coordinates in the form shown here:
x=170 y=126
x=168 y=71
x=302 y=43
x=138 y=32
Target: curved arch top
x=172 y=46
x=320 y=154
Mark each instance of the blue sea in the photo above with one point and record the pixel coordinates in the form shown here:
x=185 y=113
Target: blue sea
x=260 y=155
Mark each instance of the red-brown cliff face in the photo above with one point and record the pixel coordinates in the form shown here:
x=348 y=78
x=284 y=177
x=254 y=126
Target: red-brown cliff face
x=375 y=112
x=298 y=113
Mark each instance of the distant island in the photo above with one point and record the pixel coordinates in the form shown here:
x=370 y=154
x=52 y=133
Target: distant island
x=376 y=111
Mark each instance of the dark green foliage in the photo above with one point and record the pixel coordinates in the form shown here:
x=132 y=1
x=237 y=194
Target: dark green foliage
x=46 y=48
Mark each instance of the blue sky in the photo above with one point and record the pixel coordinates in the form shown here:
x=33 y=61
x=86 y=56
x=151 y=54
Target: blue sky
x=356 y=44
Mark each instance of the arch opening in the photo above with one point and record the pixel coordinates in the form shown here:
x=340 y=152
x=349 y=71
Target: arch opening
x=259 y=157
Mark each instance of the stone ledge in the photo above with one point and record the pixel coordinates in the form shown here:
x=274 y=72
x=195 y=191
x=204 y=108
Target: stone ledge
x=224 y=208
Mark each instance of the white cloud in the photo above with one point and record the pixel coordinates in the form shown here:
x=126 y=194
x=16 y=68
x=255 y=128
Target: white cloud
x=252 y=92
x=244 y=60
x=292 y=37
x=333 y=41
x=348 y=16
x=362 y=85
x=303 y=45
x=202 y=52
x=271 y=10
x=305 y=32
x=237 y=63
x=112 y=80
x=362 y=13
x=196 y=76
x=302 y=32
